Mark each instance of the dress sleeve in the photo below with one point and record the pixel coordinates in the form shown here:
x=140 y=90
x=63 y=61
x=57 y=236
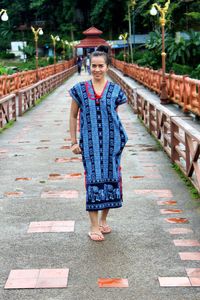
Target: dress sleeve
x=121 y=98
x=75 y=94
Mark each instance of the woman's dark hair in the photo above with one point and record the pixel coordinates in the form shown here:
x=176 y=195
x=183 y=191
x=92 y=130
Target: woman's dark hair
x=101 y=51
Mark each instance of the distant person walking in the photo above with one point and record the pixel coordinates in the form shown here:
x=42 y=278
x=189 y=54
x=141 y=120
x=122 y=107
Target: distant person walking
x=79 y=64
x=85 y=63
x=102 y=140
x=88 y=64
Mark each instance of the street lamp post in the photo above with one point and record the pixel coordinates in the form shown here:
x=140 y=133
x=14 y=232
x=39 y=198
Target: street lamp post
x=3 y=15
x=123 y=36
x=36 y=33
x=54 y=40
x=64 y=44
x=131 y=6
x=154 y=9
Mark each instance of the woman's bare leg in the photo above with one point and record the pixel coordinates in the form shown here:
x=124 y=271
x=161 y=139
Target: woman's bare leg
x=95 y=223
x=103 y=217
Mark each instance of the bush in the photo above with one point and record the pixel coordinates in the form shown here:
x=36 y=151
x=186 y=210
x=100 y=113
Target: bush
x=138 y=54
x=181 y=69
x=5 y=71
x=148 y=59
x=6 y=55
x=196 y=72
x=51 y=60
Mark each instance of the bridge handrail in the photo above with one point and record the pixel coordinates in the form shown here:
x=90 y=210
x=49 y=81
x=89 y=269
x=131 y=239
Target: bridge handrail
x=7 y=109
x=12 y=83
x=179 y=140
x=16 y=104
x=182 y=90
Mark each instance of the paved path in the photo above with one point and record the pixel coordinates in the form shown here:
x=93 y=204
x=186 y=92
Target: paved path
x=140 y=249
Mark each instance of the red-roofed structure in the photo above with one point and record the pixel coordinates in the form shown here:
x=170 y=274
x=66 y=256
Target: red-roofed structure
x=92 y=39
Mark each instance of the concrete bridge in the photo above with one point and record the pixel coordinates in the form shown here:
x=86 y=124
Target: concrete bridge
x=45 y=253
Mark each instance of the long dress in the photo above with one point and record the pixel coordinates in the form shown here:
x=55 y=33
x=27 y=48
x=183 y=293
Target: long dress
x=102 y=139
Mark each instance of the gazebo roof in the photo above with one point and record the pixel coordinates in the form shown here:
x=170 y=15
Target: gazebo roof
x=92 y=31
x=91 y=42
x=92 y=39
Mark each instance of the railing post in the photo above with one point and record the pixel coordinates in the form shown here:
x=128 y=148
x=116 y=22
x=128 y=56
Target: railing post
x=174 y=141
x=20 y=104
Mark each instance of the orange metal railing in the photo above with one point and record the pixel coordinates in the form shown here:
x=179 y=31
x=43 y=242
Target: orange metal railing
x=12 y=83
x=182 y=90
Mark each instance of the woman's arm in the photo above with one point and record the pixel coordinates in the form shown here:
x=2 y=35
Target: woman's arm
x=73 y=127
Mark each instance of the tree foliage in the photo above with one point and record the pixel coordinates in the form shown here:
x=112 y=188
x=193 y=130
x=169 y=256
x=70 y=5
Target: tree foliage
x=70 y=17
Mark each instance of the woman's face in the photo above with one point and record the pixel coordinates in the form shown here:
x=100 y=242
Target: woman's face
x=99 y=67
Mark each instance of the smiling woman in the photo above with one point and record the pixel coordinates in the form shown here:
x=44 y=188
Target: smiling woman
x=102 y=139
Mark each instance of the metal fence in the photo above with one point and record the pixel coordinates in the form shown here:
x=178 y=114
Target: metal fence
x=180 y=140
x=12 y=83
x=17 y=103
x=181 y=90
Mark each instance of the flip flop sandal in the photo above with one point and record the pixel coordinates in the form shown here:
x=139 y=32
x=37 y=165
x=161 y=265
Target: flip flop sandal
x=105 y=228
x=94 y=236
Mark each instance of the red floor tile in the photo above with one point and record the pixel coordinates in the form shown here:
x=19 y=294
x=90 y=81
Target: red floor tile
x=195 y=281
x=23 y=179
x=170 y=202
x=44 y=278
x=66 y=159
x=180 y=231
x=186 y=243
x=60 y=194
x=177 y=220
x=51 y=283
x=193 y=272
x=174 y=281
x=112 y=282
x=171 y=211
x=22 y=279
x=65 y=147
x=28 y=273
x=13 y=194
x=189 y=255
x=40 y=229
x=137 y=177
x=159 y=193
x=51 y=226
x=3 y=151
x=64 y=176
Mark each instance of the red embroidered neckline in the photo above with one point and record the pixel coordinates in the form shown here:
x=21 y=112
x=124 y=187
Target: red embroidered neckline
x=96 y=96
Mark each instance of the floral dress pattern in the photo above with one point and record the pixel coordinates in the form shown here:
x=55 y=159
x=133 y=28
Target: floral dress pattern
x=102 y=139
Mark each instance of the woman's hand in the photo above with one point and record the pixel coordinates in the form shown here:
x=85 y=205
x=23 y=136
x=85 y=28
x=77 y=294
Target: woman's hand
x=76 y=149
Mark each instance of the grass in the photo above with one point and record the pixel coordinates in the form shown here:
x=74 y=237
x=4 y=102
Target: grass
x=192 y=190
x=8 y=125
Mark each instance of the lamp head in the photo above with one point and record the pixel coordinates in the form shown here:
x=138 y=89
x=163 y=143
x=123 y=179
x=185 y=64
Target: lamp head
x=4 y=16
x=57 y=38
x=40 y=31
x=133 y=2
x=120 y=37
x=153 y=11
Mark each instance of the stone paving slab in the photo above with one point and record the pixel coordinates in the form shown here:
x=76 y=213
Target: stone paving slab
x=141 y=248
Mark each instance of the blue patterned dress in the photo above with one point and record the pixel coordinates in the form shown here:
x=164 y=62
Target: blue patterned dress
x=102 y=139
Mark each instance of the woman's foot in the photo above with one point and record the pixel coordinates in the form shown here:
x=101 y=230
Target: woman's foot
x=96 y=236
x=105 y=228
